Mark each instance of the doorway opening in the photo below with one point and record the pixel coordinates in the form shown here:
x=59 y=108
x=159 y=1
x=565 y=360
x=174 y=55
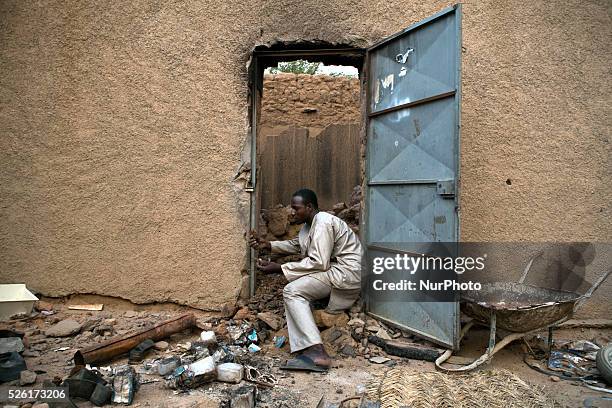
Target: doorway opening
x=410 y=94
x=306 y=118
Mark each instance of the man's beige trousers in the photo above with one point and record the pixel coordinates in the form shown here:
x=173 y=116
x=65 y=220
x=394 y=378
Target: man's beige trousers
x=298 y=294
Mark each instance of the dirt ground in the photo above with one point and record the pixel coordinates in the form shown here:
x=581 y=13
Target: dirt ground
x=47 y=357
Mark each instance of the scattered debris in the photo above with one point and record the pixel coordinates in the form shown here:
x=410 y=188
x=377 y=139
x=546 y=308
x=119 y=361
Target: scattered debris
x=279 y=341
x=223 y=355
x=382 y=334
x=252 y=337
x=115 y=347
x=348 y=350
x=193 y=375
x=355 y=322
x=27 y=377
x=254 y=348
x=271 y=319
x=161 y=345
x=407 y=349
x=11 y=366
x=230 y=372
x=326 y=320
x=65 y=328
x=238 y=334
x=101 y=395
x=138 y=353
x=379 y=360
x=167 y=365
x=125 y=384
x=11 y=344
x=82 y=383
x=253 y=375
x=199 y=350
x=244 y=397
x=208 y=338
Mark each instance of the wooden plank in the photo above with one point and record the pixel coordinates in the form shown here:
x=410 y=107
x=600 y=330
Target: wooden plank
x=95 y=307
x=328 y=163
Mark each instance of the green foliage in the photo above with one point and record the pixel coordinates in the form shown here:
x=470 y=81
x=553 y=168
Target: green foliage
x=296 y=67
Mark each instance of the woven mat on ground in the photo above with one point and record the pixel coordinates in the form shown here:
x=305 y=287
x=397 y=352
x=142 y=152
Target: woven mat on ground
x=487 y=389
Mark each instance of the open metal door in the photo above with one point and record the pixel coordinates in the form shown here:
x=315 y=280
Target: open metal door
x=412 y=163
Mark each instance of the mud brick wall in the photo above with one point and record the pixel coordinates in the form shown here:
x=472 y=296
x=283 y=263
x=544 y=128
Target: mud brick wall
x=310 y=100
x=124 y=129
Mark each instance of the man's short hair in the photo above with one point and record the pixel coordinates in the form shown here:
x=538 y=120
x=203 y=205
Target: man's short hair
x=308 y=197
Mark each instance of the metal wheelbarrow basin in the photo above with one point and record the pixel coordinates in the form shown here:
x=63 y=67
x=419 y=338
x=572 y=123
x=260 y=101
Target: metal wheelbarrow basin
x=518 y=308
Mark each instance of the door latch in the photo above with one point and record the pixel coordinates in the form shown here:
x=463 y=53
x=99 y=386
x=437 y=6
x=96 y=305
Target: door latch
x=446 y=188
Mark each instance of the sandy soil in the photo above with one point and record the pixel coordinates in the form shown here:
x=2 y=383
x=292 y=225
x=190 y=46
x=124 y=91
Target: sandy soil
x=293 y=390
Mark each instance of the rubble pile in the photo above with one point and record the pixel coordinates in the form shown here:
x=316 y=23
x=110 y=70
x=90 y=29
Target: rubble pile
x=227 y=356
x=234 y=359
x=350 y=212
x=275 y=223
x=268 y=297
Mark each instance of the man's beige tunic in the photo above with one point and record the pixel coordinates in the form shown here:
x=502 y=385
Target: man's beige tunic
x=331 y=267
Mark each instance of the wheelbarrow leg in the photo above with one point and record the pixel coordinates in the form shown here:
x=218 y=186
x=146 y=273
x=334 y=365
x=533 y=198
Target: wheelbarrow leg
x=492 y=332
x=491 y=349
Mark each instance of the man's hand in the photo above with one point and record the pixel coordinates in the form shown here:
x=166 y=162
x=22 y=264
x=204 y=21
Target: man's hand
x=258 y=243
x=268 y=267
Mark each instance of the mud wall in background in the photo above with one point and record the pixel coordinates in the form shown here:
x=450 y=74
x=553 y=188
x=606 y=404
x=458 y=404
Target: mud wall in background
x=309 y=100
x=123 y=129
x=308 y=137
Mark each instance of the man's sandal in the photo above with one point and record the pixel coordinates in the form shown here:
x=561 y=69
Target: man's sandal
x=303 y=363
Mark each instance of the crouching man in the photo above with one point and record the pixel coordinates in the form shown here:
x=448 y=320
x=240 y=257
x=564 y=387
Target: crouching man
x=331 y=267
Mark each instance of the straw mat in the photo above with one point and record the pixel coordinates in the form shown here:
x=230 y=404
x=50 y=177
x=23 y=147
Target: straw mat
x=483 y=389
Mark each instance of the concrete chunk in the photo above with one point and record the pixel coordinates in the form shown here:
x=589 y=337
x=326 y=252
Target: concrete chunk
x=64 y=328
x=27 y=377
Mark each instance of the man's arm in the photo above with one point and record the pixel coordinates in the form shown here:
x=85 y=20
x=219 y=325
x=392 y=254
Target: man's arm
x=289 y=247
x=318 y=258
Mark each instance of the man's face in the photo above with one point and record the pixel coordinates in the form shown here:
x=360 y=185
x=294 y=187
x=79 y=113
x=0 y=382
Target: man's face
x=299 y=211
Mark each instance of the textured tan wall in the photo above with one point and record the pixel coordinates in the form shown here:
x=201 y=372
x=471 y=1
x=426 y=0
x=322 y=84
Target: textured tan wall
x=123 y=124
x=309 y=100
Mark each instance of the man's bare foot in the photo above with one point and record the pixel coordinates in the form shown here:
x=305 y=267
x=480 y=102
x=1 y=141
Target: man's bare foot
x=318 y=354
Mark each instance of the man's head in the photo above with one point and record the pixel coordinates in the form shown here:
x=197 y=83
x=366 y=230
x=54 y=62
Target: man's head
x=305 y=206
